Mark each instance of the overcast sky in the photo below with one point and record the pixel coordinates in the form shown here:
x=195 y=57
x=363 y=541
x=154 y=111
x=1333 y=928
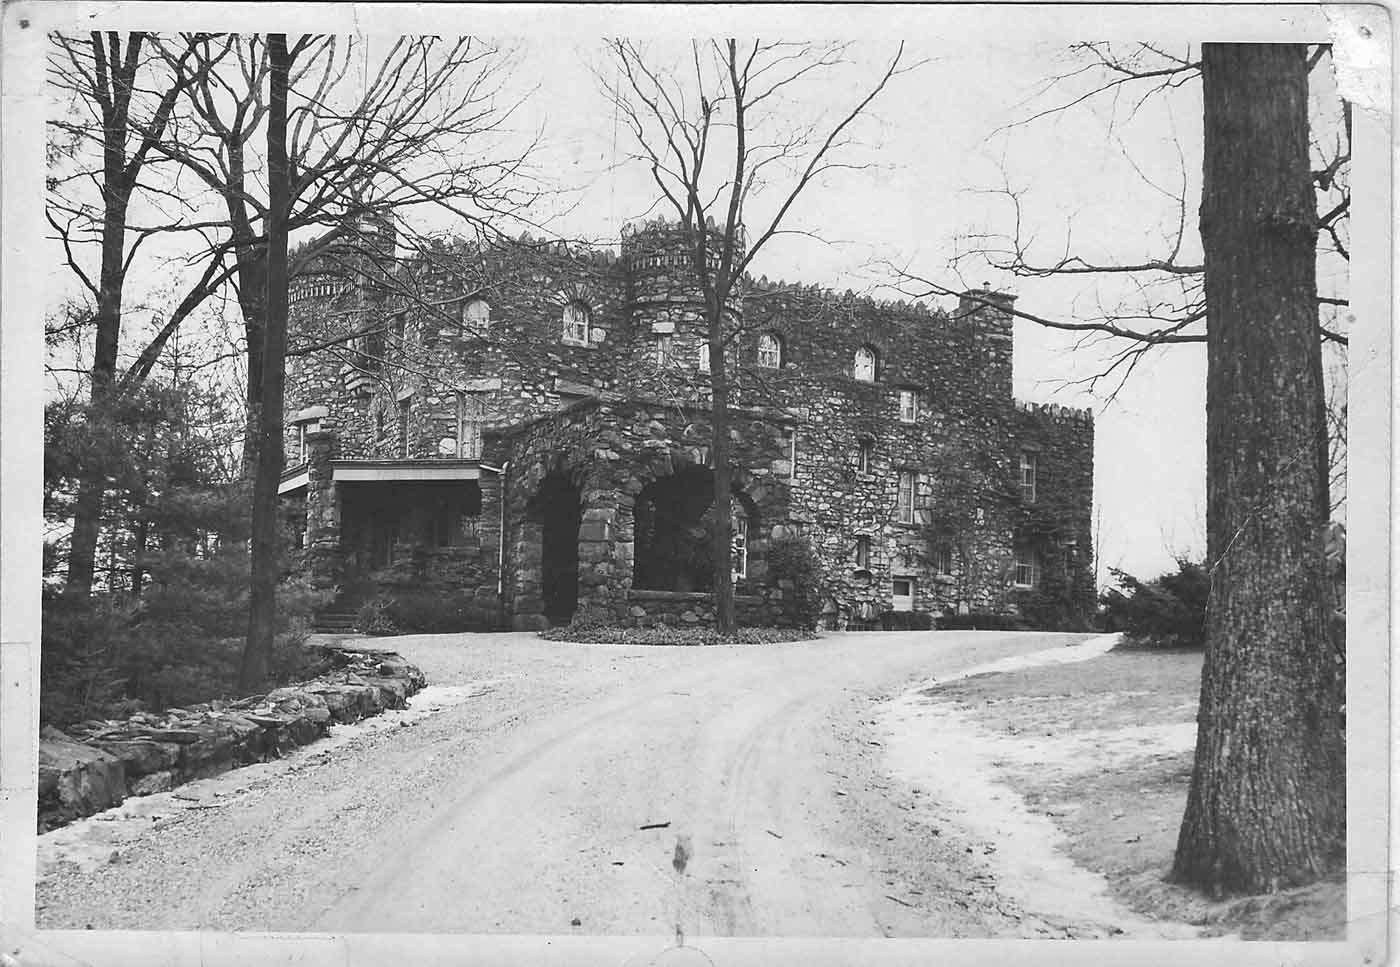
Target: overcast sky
x=937 y=139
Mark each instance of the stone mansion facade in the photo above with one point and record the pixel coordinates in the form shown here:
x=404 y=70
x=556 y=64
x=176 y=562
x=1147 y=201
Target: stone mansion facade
x=525 y=425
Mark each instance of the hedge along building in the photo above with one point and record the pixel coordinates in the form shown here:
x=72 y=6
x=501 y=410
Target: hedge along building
x=524 y=427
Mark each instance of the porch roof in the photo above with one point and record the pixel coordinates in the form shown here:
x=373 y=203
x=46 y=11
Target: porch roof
x=359 y=471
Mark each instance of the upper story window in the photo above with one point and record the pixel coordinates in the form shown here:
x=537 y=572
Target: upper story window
x=863 y=552
x=476 y=315
x=904 y=498
x=865 y=364
x=703 y=359
x=471 y=418
x=404 y=406
x=865 y=455
x=576 y=321
x=1028 y=473
x=908 y=406
x=663 y=351
x=942 y=559
x=770 y=351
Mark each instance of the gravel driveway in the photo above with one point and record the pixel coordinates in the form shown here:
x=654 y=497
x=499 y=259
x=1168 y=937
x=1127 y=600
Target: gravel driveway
x=592 y=789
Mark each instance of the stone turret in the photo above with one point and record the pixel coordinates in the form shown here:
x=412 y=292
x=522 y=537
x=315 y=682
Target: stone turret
x=986 y=314
x=665 y=294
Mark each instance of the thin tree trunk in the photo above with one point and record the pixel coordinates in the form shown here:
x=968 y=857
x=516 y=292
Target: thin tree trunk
x=1266 y=807
x=262 y=605
x=725 y=619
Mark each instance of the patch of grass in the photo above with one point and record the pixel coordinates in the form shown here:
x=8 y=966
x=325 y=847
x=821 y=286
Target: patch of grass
x=589 y=633
x=1120 y=816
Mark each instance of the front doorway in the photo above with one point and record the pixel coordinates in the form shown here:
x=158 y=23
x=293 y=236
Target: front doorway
x=558 y=511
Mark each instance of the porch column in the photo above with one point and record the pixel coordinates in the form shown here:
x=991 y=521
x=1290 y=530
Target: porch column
x=324 y=556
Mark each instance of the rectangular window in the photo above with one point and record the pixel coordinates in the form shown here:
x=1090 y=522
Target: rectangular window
x=942 y=559
x=1025 y=570
x=908 y=406
x=301 y=443
x=863 y=552
x=663 y=351
x=902 y=594
x=792 y=456
x=703 y=361
x=904 y=501
x=740 y=545
x=471 y=416
x=1028 y=469
x=403 y=426
x=864 y=456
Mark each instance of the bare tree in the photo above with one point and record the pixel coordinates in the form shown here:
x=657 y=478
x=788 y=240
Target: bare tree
x=419 y=128
x=708 y=180
x=119 y=105
x=1274 y=204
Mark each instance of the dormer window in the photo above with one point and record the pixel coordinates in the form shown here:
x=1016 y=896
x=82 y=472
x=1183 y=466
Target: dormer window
x=476 y=315
x=770 y=351
x=865 y=364
x=576 y=321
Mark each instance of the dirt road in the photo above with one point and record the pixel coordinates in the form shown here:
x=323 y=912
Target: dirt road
x=736 y=791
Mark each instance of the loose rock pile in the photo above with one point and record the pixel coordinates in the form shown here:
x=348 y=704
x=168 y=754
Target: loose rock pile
x=97 y=764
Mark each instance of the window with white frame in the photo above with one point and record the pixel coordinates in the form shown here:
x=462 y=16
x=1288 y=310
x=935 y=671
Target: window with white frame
x=471 y=418
x=770 y=351
x=865 y=364
x=663 y=350
x=739 y=544
x=1024 y=571
x=476 y=315
x=908 y=406
x=1028 y=473
x=404 y=406
x=863 y=552
x=576 y=321
x=902 y=593
x=703 y=360
x=865 y=455
x=904 y=499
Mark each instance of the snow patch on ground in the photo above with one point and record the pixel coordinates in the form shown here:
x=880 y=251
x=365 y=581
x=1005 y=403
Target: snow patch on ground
x=938 y=747
x=97 y=840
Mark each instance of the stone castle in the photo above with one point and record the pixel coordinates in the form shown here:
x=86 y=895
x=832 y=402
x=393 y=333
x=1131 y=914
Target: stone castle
x=525 y=426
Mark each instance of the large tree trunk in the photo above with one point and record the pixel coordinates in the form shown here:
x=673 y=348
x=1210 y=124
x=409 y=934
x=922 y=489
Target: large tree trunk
x=1267 y=802
x=262 y=605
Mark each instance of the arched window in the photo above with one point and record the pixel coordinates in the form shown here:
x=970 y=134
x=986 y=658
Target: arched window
x=704 y=360
x=865 y=364
x=476 y=314
x=770 y=351
x=576 y=323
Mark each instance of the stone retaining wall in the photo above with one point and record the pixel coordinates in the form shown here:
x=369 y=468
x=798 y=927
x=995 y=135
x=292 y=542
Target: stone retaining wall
x=646 y=609
x=95 y=765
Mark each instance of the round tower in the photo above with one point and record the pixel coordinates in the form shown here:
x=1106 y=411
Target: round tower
x=666 y=298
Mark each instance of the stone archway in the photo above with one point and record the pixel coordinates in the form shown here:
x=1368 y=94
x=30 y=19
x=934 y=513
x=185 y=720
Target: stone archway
x=673 y=519
x=546 y=586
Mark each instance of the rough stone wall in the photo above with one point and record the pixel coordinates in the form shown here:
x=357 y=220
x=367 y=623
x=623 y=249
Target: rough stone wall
x=1058 y=526
x=610 y=451
x=611 y=416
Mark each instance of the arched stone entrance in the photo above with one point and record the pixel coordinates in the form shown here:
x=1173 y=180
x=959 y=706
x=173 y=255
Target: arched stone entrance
x=674 y=521
x=546 y=553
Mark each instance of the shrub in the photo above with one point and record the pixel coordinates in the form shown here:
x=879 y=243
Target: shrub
x=906 y=621
x=1168 y=611
x=612 y=634
x=427 y=612
x=793 y=566
x=980 y=621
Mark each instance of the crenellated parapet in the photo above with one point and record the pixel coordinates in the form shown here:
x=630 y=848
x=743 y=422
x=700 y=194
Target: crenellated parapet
x=1053 y=412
